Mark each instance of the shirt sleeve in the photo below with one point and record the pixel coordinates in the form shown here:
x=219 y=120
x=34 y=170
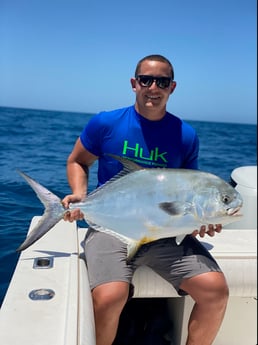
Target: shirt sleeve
x=91 y=134
x=191 y=161
x=191 y=148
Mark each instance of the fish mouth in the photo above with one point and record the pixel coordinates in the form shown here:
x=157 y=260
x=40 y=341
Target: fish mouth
x=233 y=211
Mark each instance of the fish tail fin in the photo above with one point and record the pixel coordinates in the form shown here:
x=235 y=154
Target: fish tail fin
x=54 y=212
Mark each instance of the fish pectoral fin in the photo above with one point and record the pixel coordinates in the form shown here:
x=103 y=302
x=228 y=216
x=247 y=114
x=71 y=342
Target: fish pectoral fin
x=172 y=208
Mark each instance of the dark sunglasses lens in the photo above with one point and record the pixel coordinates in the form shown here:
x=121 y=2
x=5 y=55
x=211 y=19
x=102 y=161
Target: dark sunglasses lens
x=163 y=82
x=145 y=80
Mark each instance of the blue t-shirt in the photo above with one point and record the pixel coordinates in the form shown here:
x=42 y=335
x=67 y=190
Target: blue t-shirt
x=166 y=143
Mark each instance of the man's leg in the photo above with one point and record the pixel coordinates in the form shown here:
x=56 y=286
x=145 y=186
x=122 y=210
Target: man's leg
x=210 y=293
x=109 y=277
x=191 y=268
x=108 y=302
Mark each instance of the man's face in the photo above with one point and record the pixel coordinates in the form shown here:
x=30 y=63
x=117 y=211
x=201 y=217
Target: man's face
x=152 y=97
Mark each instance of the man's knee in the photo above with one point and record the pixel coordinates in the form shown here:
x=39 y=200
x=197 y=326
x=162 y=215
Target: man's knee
x=110 y=296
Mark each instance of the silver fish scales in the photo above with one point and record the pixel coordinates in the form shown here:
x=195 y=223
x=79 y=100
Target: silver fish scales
x=142 y=205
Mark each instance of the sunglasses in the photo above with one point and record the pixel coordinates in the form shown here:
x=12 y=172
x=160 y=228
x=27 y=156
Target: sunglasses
x=147 y=81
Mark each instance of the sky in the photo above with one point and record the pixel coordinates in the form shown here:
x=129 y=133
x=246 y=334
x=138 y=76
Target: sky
x=79 y=55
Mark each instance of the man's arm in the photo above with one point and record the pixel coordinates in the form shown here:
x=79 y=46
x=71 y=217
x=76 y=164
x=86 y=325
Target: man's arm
x=78 y=164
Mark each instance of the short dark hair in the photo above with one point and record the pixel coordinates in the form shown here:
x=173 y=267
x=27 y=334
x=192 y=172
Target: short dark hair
x=155 y=57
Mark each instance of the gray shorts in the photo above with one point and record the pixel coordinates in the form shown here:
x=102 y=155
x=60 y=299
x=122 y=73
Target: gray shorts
x=106 y=259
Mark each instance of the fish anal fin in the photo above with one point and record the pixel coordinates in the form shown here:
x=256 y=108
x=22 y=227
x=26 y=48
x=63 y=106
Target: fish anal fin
x=132 y=248
x=179 y=239
x=132 y=245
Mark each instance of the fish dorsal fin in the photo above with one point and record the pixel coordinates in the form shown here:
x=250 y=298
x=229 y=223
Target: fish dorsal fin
x=128 y=167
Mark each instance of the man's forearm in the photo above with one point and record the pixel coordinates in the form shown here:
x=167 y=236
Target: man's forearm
x=77 y=176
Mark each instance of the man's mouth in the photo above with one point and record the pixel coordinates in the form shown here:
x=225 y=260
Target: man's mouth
x=153 y=97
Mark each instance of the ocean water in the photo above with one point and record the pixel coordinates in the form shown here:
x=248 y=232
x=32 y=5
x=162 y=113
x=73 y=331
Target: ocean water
x=38 y=142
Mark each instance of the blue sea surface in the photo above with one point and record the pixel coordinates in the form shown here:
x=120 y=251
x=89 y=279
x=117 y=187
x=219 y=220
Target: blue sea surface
x=38 y=142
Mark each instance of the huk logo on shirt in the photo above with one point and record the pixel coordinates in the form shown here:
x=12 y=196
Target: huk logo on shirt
x=153 y=155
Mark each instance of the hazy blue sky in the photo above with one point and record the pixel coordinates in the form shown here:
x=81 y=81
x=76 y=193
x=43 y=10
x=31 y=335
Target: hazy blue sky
x=79 y=55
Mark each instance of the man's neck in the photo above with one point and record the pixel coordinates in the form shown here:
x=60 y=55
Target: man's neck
x=151 y=114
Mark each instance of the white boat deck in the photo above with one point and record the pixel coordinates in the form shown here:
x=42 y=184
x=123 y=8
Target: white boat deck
x=235 y=251
x=67 y=318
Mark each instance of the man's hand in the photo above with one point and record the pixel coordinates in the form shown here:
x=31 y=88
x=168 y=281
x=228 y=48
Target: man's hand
x=75 y=214
x=212 y=229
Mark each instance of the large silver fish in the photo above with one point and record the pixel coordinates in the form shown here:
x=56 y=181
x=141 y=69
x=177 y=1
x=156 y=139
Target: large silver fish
x=141 y=205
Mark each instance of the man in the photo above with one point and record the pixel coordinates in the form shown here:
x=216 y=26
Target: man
x=152 y=137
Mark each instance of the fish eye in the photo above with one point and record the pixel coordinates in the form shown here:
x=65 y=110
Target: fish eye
x=226 y=198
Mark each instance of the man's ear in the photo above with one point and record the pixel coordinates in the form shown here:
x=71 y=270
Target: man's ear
x=172 y=87
x=133 y=83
